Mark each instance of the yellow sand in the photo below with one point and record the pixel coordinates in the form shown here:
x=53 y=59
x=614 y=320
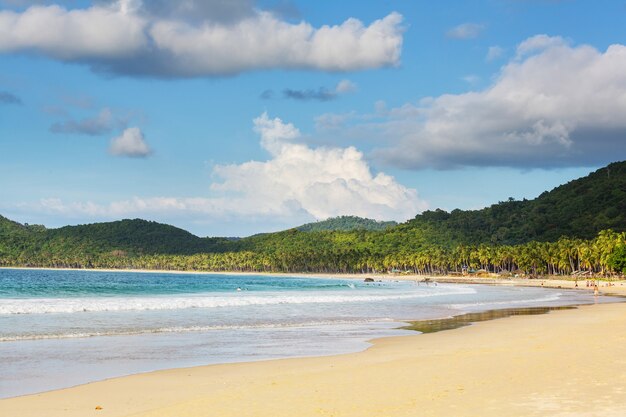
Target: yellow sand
x=566 y=363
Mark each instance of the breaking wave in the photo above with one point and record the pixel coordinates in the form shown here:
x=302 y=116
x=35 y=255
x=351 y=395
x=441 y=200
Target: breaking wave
x=109 y=304
x=548 y=298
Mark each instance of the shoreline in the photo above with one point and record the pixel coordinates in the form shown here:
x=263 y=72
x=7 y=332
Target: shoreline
x=526 y=362
x=69 y=395
x=618 y=287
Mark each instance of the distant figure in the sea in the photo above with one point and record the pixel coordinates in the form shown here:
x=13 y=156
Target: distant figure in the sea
x=595 y=289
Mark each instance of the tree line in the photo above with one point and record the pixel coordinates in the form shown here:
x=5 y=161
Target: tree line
x=354 y=252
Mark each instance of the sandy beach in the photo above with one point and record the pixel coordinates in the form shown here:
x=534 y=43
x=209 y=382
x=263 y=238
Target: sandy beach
x=565 y=363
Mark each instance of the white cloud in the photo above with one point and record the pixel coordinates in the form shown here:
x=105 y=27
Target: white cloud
x=324 y=182
x=553 y=105
x=494 y=52
x=538 y=43
x=465 y=31
x=123 y=38
x=345 y=86
x=94 y=33
x=471 y=79
x=298 y=183
x=130 y=143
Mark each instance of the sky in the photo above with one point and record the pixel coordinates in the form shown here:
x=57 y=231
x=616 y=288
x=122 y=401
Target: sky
x=229 y=118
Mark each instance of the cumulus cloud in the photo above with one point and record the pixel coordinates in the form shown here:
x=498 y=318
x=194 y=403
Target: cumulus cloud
x=552 y=105
x=96 y=33
x=173 y=39
x=9 y=98
x=297 y=183
x=103 y=122
x=324 y=182
x=130 y=143
x=465 y=31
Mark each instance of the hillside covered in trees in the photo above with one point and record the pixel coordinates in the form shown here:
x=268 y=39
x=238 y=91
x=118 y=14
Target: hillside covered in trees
x=578 y=226
x=580 y=208
x=346 y=223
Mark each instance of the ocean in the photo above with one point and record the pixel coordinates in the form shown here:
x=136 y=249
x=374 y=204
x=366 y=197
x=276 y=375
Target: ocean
x=64 y=328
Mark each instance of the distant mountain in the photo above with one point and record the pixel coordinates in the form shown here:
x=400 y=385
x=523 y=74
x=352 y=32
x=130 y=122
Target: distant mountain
x=346 y=223
x=137 y=236
x=123 y=237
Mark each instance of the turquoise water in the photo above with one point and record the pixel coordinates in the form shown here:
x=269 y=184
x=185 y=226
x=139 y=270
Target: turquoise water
x=59 y=284
x=62 y=328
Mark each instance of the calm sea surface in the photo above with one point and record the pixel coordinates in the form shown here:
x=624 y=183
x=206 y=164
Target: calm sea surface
x=63 y=328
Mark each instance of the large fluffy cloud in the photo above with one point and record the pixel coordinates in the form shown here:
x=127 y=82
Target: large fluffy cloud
x=552 y=105
x=127 y=37
x=96 y=33
x=297 y=183
x=324 y=182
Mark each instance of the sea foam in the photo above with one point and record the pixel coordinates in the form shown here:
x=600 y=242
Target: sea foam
x=188 y=329
x=548 y=298
x=102 y=304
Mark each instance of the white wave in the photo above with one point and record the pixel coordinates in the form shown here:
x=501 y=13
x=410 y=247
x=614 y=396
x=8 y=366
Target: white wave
x=107 y=304
x=548 y=298
x=188 y=329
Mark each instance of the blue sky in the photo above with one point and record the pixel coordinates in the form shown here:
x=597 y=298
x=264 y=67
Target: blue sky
x=258 y=116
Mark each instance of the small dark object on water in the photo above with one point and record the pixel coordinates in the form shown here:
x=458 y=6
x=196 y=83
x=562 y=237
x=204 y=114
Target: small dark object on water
x=368 y=280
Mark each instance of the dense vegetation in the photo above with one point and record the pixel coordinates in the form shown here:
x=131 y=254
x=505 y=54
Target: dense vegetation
x=81 y=244
x=346 y=223
x=578 y=227
x=580 y=208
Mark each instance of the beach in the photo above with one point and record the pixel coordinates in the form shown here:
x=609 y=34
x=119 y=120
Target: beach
x=565 y=363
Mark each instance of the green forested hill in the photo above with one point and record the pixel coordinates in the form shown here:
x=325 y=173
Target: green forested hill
x=118 y=238
x=135 y=236
x=580 y=208
x=346 y=223
x=574 y=217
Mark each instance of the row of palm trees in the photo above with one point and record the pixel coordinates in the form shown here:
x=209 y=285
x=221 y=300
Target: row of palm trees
x=563 y=257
